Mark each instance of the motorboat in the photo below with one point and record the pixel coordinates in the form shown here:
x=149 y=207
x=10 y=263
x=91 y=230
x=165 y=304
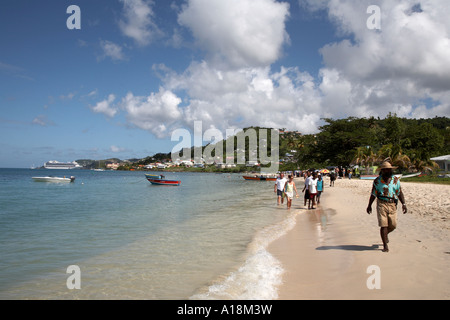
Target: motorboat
x=53 y=179
x=160 y=180
x=260 y=177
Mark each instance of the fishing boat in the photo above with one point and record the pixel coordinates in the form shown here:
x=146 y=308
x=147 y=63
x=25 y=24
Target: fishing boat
x=261 y=177
x=160 y=180
x=53 y=179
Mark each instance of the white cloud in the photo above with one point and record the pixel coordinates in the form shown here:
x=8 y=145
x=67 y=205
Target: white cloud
x=42 y=120
x=69 y=96
x=155 y=113
x=249 y=96
x=239 y=33
x=116 y=149
x=138 y=21
x=15 y=71
x=368 y=73
x=93 y=93
x=233 y=87
x=410 y=45
x=390 y=70
x=106 y=107
x=111 y=50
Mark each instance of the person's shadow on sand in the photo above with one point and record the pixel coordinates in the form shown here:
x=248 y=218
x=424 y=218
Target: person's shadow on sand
x=350 y=247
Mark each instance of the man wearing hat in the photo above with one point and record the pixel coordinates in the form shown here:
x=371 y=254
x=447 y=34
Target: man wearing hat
x=386 y=188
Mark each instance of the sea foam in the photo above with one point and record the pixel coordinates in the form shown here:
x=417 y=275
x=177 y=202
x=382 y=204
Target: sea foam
x=259 y=277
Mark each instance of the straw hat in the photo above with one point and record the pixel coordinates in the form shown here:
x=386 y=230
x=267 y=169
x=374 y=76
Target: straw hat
x=386 y=165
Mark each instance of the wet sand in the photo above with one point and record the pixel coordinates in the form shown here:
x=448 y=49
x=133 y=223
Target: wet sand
x=328 y=253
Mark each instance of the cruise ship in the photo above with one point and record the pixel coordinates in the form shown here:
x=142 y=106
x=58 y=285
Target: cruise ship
x=61 y=165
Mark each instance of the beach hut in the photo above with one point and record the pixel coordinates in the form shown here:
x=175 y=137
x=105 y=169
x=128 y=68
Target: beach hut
x=443 y=162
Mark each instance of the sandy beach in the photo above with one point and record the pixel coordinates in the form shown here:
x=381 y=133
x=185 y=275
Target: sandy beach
x=334 y=251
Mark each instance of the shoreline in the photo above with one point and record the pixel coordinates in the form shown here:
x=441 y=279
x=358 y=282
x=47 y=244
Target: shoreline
x=328 y=252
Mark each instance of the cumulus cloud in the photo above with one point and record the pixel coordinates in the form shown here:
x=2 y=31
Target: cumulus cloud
x=239 y=33
x=402 y=68
x=137 y=22
x=393 y=69
x=248 y=96
x=411 y=44
x=111 y=50
x=155 y=113
x=106 y=107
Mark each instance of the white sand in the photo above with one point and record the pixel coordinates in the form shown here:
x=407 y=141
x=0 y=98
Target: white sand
x=327 y=254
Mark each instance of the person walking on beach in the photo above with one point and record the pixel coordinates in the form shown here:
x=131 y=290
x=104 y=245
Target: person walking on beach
x=289 y=191
x=312 y=186
x=320 y=187
x=387 y=190
x=332 y=178
x=279 y=188
x=306 y=189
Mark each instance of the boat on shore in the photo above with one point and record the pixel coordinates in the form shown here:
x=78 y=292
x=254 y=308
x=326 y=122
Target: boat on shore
x=374 y=176
x=53 y=179
x=368 y=176
x=160 y=180
x=413 y=175
x=260 y=177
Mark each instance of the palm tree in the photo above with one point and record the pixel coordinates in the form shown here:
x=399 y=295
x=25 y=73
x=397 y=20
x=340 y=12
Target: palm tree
x=365 y=157
x=396 y=156
x=359 y=157
x=403 y=162
x=420 y=165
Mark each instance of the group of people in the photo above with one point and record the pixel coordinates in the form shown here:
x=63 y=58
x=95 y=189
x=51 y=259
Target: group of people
x=313 y=188
x=386 y=190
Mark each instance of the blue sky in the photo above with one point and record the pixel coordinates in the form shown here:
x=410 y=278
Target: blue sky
x=138 y=69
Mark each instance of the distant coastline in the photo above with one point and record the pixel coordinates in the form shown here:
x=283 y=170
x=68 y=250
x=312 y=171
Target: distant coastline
x=411 y=144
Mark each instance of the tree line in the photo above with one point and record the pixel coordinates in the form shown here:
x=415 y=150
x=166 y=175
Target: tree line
x=409 y=143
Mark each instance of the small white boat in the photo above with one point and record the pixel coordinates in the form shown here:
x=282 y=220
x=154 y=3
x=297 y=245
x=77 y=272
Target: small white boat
x=412 y=175
x=368 y=176
x=54 y=179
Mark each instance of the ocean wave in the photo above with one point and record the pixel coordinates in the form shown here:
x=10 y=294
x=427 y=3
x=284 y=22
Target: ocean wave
x=260 y=275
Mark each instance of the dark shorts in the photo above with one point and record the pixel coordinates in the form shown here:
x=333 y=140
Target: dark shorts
x=306 y=194
x=279 y=193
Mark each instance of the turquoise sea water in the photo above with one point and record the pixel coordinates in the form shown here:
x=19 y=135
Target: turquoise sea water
x=205 y=239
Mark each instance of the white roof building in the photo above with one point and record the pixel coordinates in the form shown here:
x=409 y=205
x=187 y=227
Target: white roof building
x=443 y=162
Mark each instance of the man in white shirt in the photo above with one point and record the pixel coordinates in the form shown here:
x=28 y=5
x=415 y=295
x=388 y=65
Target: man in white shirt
x=306 y=188
x=279 y=188
x=312 y=186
